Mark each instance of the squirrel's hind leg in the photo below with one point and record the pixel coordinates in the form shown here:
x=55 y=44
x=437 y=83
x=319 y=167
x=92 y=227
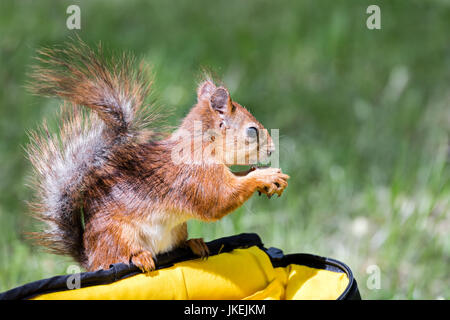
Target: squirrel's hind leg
x=197 y=246
x=113 y=241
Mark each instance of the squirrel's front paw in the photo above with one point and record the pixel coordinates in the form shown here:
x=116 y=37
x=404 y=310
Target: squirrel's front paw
x=198 y=247
x=144 y=261
x=270 y=181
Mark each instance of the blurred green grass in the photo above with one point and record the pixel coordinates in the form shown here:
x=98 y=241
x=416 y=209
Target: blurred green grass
x=364 y=122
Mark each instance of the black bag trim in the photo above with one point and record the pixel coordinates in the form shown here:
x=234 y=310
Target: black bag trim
x=121 y=271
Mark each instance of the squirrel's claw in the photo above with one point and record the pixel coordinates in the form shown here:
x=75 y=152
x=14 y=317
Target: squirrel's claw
x=198 y=247
x=273 y=182
x=144 y=261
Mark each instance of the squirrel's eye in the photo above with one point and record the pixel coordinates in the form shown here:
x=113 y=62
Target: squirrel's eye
x=252 y=132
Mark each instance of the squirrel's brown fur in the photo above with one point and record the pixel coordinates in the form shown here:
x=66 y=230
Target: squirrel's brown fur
x=111 y=191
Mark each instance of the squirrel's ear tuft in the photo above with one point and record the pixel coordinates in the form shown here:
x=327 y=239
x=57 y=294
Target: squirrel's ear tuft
x=220 y=100
x=205 y=90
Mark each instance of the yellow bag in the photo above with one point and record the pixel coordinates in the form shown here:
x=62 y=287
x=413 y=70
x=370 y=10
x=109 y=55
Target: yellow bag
x=239 y=268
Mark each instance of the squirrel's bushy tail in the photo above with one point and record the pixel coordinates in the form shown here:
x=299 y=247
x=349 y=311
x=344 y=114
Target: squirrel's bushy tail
x=115 y=91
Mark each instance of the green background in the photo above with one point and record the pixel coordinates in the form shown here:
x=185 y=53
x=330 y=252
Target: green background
x=363 y=115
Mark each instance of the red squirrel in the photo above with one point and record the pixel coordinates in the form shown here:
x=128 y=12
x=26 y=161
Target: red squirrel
x=109 y=189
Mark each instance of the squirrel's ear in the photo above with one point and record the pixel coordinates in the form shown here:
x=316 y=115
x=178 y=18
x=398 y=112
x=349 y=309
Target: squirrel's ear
x=205 y=90
x=220 y=100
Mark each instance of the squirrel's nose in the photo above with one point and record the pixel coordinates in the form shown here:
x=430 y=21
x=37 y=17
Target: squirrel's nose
x=270 y=148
